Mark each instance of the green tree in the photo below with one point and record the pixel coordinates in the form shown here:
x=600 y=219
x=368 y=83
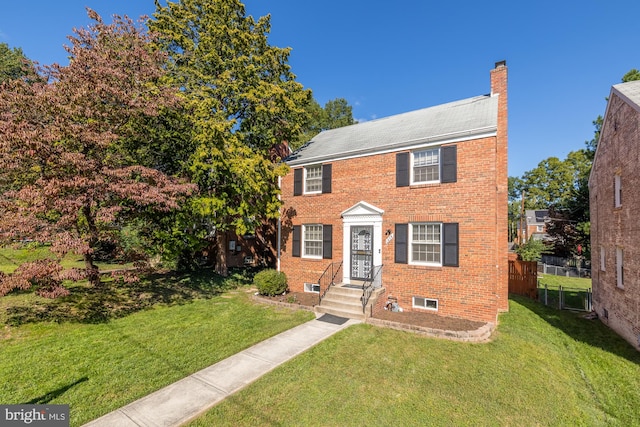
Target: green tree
x=14 y=64
x=515 y=205
x=532 y=250
x=65 y=176
x=336 y=113
x=242 y=99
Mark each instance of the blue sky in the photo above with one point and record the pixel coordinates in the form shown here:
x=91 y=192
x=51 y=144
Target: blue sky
x=387 y=58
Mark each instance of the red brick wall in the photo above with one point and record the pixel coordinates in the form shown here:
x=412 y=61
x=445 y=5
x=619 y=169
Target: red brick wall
x=617 y=227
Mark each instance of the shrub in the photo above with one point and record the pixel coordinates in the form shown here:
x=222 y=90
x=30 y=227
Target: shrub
x=270 y=282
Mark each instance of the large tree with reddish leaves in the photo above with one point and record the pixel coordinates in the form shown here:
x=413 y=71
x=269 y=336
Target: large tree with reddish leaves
x=66 y=176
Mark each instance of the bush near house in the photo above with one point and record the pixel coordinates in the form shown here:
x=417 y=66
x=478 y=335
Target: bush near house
x=270 y=282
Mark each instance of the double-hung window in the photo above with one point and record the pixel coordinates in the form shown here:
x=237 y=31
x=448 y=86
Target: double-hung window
x=425 y=243
x=313 y=179
x=425 y=166
x=312 y=240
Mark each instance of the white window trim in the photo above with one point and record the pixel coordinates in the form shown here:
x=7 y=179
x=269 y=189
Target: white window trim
x=304 y=181
x=618 y=190
x=412 y=181
x=602 y=259
x=426 y=263
x=303 y=241
x=620 y=268
x=423 y=307
x=308 y=287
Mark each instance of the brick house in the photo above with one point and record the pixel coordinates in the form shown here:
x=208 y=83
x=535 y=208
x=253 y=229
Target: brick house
x=614 y=203
x=535 y=225
x=415 y=203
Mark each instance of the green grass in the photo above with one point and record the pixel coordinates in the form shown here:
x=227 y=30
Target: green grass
x=11 y=258
x=553 y=282
x=98 y=350
x=544 y=367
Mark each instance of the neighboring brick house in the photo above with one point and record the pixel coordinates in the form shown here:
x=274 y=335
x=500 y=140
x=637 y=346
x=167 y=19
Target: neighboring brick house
x=614 y=206
x=422 y=194
x=535 y=225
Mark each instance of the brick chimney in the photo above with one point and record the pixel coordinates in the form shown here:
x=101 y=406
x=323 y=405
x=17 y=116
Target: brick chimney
x=499 y=89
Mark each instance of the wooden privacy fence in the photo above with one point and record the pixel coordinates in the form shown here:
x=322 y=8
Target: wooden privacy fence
x=523 y=278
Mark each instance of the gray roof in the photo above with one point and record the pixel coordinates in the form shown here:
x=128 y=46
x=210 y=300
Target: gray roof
x=536 y=216
x=454 y=121
x=630 y=91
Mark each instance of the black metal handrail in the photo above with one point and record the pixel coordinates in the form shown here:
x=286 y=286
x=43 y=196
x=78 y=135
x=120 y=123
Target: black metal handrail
x=327 y=279
x=374 y=281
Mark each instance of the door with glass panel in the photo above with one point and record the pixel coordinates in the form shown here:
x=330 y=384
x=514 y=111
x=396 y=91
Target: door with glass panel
x=361 y=251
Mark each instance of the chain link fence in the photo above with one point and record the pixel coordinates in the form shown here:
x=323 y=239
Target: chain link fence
x=558 y=270
x=566 y=298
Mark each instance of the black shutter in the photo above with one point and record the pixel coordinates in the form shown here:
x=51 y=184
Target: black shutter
x=327 y=241
x=295 y=241
x=326 y=178
x=402 y=237
x=449 y=165
x=297 y=181
x=402 y=170
x=450 y=239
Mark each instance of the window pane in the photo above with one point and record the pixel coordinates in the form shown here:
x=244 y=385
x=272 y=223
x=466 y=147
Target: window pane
x=312 y=240
x=313 y=179
x=425 y=243
x=426 y=165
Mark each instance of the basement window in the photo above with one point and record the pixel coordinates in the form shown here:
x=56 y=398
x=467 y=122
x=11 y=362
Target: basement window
x=312 y=287
x=426 y=303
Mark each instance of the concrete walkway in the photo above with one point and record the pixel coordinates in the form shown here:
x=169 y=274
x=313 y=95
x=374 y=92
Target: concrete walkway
x=190 y=397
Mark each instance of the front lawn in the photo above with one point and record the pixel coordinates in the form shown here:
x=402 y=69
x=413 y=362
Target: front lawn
x=544 y=367
x=99 y=349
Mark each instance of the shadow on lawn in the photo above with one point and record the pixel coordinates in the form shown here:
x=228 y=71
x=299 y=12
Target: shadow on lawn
x=113 y=299
x=592 y=332
x=46 y=398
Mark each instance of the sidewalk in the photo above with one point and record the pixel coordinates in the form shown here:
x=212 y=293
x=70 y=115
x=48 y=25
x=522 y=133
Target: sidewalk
x=184 y=400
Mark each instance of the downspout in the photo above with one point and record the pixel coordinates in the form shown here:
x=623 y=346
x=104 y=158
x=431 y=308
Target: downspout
x=279 y=234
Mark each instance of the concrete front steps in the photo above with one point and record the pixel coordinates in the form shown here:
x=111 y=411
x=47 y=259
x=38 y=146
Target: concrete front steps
x=344 y=301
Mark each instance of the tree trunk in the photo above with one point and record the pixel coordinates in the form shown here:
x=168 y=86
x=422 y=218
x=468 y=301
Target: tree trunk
x=91 y=270
x=221 y=253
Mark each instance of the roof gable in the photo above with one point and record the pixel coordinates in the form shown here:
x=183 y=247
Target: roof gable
x=629 y=92
x=454 y=121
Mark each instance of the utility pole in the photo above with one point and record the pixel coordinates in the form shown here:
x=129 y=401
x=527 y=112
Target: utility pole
x=522 y=219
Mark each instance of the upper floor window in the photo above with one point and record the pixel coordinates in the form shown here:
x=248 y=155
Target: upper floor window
x=432 y=165
x=425 y=243
x=313 y=179
x=617 y=185
x=425 y=166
